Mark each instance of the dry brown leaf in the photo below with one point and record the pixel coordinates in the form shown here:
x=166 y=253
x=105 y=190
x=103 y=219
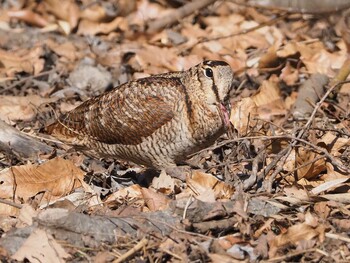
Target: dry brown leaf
x=13 y=108
x=334 y=144
x=294 y=195
x=26 y=215
x=269 y=58
x=269 y=100
x=29 y=17
x=311 y=170
x=28 y=61
x=294 y=235
x=66 y=49
x=164 y=183
x=131 y=194
x=56 y=177
x=221 y=258
x=95 y=13
x=207 y=187
x=289 y=74
x=332 y=173
x=66 y=10
x=166 y=58
x=314 y=55
x=8 y=210
x=90 y=28
x=155 y=201
x=41 y=247
x=290 y=49
x=243 y=114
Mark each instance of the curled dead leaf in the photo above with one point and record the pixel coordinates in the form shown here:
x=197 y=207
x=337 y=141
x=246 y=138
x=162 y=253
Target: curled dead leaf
x=56 y=177
x=91 y=28
x=155 y=201
x=207 y=188
x=269 y=100
x=308 y=163
x=243 y=115
x=296 y=234
x=66 y=10
x=41 y=246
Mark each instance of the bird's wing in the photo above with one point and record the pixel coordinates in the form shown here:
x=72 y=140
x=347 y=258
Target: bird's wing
x=121 y=116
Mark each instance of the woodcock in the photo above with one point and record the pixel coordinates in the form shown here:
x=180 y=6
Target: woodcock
x=155 y=121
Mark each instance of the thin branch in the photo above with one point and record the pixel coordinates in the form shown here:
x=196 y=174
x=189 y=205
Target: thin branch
x=176 y=16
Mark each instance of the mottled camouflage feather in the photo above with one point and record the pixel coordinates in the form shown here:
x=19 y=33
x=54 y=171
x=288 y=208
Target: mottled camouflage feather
x=155 y=121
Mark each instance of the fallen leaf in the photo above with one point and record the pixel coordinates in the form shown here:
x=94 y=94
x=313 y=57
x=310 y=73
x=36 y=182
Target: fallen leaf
x=131 y=194
x=155 y=201
x=294 y=235
x=29 y=17
x=90 y=28
x=14 y=108
x=22 y=61
x=56 y=177
x=269 y=100
x=41 y=247
x=207 y=187
x=243 y=114
x=66 y=10
x=308 y=167
x=26 y=215
x=66 y=49
x=164 y=183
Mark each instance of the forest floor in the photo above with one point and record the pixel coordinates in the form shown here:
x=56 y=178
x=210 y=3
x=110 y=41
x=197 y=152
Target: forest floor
x=275 y=188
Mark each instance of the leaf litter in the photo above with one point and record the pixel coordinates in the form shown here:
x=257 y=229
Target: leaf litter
x=274 y=188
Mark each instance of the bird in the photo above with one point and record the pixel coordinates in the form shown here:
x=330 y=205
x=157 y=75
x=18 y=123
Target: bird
x=157 y=121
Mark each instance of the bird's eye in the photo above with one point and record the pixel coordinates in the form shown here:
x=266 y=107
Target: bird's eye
x=208 y=72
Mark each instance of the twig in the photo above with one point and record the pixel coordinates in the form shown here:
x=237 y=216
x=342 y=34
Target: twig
x=26 y=79
x=18 y=142
x=132 y=251
x=172 y=254
x=337 y=237
x=158 y=24
x=8 y=202
x=186 y=207
x=318 y=105
x=290 y=255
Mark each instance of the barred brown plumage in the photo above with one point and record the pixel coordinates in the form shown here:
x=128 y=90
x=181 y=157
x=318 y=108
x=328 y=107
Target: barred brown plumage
x=155 y=121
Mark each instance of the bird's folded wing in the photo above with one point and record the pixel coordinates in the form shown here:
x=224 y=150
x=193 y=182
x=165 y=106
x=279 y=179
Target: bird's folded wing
x=113 y=120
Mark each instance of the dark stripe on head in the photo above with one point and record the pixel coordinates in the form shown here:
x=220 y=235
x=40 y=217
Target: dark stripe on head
x=213 y=63
x=216 y=91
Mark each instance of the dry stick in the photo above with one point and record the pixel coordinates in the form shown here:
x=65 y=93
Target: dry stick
x=155 y=25
x=8 y=202
x=337 y=237
x=26 y=79
x=132 y=251
x=290 y=255
x=13 y=140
